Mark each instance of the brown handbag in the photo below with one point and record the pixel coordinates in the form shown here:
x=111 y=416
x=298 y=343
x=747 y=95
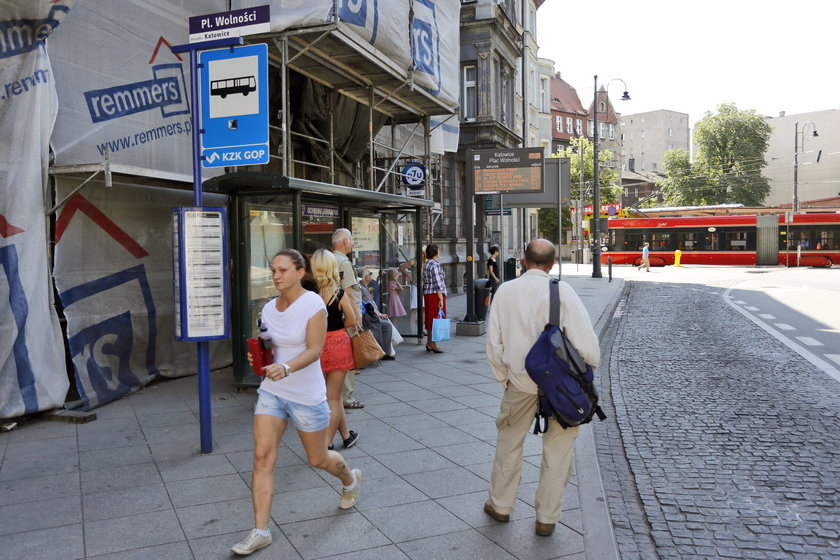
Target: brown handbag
x=365 y=349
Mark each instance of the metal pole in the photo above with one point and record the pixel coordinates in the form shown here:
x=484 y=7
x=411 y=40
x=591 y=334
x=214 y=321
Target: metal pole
x=795 y=205
x=469 y=224
x=580 y=204
x=559 y=221
x=596 y=201
x=284 y=101
x=502 y=236
x=202 y=347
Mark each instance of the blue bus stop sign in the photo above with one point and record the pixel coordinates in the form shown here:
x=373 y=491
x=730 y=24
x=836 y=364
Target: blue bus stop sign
x=234 y=106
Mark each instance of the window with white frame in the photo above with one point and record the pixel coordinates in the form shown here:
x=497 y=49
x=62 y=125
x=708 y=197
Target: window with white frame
x=543 y=89
x=559 y=123
x=591 y=128
x=670 y=132
x=601 y=129
x=612 y=132
x=569 y=128
x=579 y=127
x=469 y=101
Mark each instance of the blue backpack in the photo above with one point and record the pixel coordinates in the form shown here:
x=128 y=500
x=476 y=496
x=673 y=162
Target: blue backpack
x=564 y=379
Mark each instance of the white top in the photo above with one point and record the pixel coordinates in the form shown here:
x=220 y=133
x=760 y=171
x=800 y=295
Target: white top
x=518 y=315
x=348 y=277
x=287 y=330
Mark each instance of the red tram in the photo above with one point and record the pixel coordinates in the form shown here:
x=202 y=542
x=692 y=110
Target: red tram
x=807 y=240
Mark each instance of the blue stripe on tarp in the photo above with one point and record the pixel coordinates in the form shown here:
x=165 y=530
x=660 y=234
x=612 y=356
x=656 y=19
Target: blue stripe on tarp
x=20 y=311
x=113 y=336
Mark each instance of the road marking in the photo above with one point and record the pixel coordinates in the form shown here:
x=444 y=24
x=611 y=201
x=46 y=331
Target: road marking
x=808 y=341
x=826 y=367
x=784 y=327
x=766 y=316
x=835 y=357
x=751 y=308
x=739 y=302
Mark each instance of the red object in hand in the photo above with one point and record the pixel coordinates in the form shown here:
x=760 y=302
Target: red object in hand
x=262 y=354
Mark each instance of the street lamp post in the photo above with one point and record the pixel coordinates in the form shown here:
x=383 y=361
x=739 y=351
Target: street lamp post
x=596 y=201
x=796 y=133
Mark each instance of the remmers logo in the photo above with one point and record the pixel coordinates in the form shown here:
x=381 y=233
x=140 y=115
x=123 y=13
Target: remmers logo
x=165 y=91
x=426 y=41
x=18 y=36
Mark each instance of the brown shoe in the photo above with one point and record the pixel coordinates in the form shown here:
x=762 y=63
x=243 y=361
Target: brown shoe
x=544 y=529
x=501 y=518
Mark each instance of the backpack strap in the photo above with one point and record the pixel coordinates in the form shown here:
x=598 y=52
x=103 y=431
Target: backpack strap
x=554 y=302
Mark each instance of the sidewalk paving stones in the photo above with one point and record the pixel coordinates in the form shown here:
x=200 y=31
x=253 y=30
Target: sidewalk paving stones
x=133 y=484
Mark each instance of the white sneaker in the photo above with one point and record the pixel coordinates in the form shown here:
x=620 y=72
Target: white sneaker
x=349 y=497
x=252 y=543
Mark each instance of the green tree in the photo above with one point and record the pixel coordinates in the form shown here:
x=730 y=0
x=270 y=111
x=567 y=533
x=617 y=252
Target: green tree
x=684 y=183
x=607 y=189
x=727 y=169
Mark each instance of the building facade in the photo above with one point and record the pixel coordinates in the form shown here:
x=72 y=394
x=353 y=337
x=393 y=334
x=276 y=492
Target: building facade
x=568 y=117
x=609 y=127
x=818 y=157
x=502 y=106
x=647 y=136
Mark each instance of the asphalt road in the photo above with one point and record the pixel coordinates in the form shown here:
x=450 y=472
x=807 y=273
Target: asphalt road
x=724 y=440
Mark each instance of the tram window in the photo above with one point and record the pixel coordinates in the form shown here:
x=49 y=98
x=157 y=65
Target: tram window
x=660 y=241
x=801 y=239
x=737 y=241
x=711 y=241
x=827 y=240
x=687 y=241
x=633 y=241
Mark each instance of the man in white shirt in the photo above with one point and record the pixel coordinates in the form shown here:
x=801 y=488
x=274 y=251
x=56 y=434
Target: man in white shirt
x=517 y=317
x=342 y=241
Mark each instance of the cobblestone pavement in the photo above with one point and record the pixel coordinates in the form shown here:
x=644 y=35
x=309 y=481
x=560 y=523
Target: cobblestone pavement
x=722 y=442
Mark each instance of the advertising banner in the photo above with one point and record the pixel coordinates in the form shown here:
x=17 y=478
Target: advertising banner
x=32 y=372
x=133 y=104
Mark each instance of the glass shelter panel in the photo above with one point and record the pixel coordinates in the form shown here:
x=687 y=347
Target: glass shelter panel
x=269 y=230
x=398 y=280
x=366 y=253
x=319 y=222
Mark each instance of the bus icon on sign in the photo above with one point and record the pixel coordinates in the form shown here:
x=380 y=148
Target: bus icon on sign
x=231 y=86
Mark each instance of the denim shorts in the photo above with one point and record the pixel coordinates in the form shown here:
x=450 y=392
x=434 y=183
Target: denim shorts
x=306 y=418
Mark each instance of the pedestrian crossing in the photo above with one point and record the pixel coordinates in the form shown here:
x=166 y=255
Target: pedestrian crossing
x=810 y=347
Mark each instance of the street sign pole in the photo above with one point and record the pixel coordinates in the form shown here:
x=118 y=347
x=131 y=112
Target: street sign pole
x=471 y=243
x=203 y=347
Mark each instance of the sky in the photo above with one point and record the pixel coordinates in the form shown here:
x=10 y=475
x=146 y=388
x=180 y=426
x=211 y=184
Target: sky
x=692 y=56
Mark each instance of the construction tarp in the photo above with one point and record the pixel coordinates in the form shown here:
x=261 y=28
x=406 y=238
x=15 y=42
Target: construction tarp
x=113 y=271
x=124 y=95
x=120 y=87
x=419 y=36
x=32 y=372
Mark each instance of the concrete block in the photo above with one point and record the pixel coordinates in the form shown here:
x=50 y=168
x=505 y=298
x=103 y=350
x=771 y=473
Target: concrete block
x=462 y=328
x=71 y=416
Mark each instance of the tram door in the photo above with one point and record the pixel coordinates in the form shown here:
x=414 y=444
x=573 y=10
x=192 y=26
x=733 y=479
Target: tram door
x=767 y=240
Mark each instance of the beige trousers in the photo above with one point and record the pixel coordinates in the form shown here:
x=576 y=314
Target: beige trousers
x=349 y=387
x=515 y=420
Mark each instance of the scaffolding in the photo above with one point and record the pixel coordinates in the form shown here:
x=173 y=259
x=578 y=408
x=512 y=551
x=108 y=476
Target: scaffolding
x=333 y=56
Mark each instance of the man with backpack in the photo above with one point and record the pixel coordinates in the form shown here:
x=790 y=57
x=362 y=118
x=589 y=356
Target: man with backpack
x=519 y=313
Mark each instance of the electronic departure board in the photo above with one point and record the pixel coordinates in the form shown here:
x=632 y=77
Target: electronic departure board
x=512 y=170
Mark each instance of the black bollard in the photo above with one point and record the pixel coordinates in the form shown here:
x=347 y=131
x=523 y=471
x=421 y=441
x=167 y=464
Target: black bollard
x=609 y=266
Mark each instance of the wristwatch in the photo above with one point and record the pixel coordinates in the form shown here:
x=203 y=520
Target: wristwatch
x=287 y=368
